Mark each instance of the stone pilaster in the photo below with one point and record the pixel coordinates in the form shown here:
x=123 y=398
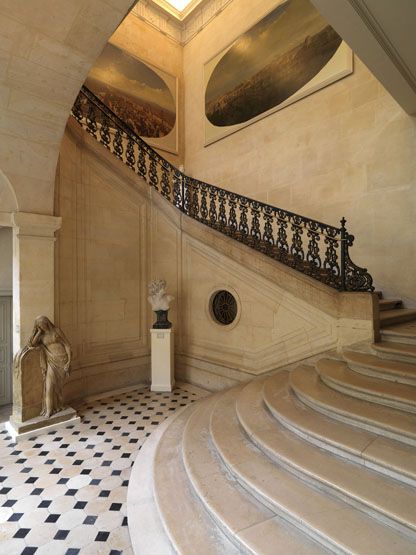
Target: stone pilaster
x=33 y=271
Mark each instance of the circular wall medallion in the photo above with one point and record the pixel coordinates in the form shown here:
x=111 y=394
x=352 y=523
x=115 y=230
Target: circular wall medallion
x=223 y=307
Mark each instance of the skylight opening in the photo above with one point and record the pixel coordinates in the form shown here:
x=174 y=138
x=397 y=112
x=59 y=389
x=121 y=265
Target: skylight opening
x=180 y=5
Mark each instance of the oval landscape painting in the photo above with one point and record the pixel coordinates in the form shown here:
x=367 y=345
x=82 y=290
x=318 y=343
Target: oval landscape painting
x=269 y=63
x=134 y=92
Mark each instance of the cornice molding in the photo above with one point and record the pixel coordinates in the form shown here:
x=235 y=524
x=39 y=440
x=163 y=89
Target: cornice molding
x=364 y=12
x=196 y=17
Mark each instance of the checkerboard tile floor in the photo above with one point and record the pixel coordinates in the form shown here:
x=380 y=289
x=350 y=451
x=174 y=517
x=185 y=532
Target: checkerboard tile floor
x=65 y=492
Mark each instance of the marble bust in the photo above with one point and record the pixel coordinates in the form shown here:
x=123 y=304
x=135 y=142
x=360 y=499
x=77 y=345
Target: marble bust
x=160 y=300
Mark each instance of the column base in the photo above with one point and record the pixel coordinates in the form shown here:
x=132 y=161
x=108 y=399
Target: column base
x=161 y=388
x=41 y=424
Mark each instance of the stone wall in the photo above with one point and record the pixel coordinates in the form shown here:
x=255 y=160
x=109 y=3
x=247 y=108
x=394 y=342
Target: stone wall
x=347 y=150
x=117 y=233
x=102 y=267
x=6 y=260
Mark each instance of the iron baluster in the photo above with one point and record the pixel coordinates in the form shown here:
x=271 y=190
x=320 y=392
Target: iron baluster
x=141 y=163
x=118 y=144
x=91 y=121
x=232 y=215
x=177 y=189
x=204 y=206
x=166 y=189
x=296 y=249
x=105 y=131
x=212 y=207
x=268 y=238
x=255 y=234
x=153 y=177
x=222 y=216
x=243 y=228
x=130 y=157
x=343 y=254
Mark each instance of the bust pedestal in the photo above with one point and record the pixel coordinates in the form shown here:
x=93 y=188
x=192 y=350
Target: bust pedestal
x=163 y=374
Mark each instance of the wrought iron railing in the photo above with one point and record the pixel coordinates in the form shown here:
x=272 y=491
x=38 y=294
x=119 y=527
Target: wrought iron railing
x=318 y=250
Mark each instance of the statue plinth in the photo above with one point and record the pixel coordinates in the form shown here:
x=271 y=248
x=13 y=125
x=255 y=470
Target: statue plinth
x=163 y=372
x=20 y=430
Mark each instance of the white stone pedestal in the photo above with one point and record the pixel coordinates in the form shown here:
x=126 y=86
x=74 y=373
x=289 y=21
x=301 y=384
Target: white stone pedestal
x=163 y=373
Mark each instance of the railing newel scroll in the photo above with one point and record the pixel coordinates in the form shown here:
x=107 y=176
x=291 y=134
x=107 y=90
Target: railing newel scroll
x=314 y=248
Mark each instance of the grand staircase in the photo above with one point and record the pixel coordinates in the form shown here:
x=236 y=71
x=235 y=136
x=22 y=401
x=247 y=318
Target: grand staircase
x=321 y=459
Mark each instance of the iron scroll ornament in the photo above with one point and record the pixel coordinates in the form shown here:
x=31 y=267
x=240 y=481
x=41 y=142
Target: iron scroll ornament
x=316 y=249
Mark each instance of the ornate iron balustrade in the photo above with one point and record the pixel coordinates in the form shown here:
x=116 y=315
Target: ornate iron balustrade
x=314 y=248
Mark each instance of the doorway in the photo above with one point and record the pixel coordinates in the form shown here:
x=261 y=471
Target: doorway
x=6 y=348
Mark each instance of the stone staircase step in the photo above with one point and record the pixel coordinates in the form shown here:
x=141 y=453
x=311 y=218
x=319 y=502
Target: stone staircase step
x=252 y=526
x=146 y=530
x=396 y=316
x=385 y=421
x=401 y=333
x=395 y=351
x=337 y=375
x=328 y=520
x=386 y=456
x=389 y=304
x=379 y=496
x=185 y=521
x=371 y=365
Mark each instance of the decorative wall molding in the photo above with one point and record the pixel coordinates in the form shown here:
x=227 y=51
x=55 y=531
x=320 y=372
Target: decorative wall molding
x=363 y=10
x=180 y=31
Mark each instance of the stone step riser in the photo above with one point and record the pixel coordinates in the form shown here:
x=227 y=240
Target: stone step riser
x=339 y=451
x=410 y=358
x=386 y=336
x=389 y=305
x=321 y=474
x=386 y=320
x=358 y=394
x=318 y=485
x=347 y=419
x=382 y=374
x=301 y=525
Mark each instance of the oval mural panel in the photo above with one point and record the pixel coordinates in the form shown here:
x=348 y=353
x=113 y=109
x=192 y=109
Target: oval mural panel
x=134 y=92
x=269 y=63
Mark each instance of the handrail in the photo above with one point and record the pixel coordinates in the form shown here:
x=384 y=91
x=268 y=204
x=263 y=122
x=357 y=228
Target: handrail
x=314 y=248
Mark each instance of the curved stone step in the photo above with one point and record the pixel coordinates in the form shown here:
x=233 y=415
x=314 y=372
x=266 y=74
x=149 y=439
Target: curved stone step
x=397 y=316
x=326 y=519
x=386 y=456
x=388 y=304
x=185 y=521
x=253 y=527
x=401 y=333
x=395 y=351
x=145 y=527
x=371 y=365
x=383 y=498
x=383 y=421
x=337 y=375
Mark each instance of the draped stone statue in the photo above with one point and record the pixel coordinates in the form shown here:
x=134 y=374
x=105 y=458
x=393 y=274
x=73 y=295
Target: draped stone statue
x=55 y=360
